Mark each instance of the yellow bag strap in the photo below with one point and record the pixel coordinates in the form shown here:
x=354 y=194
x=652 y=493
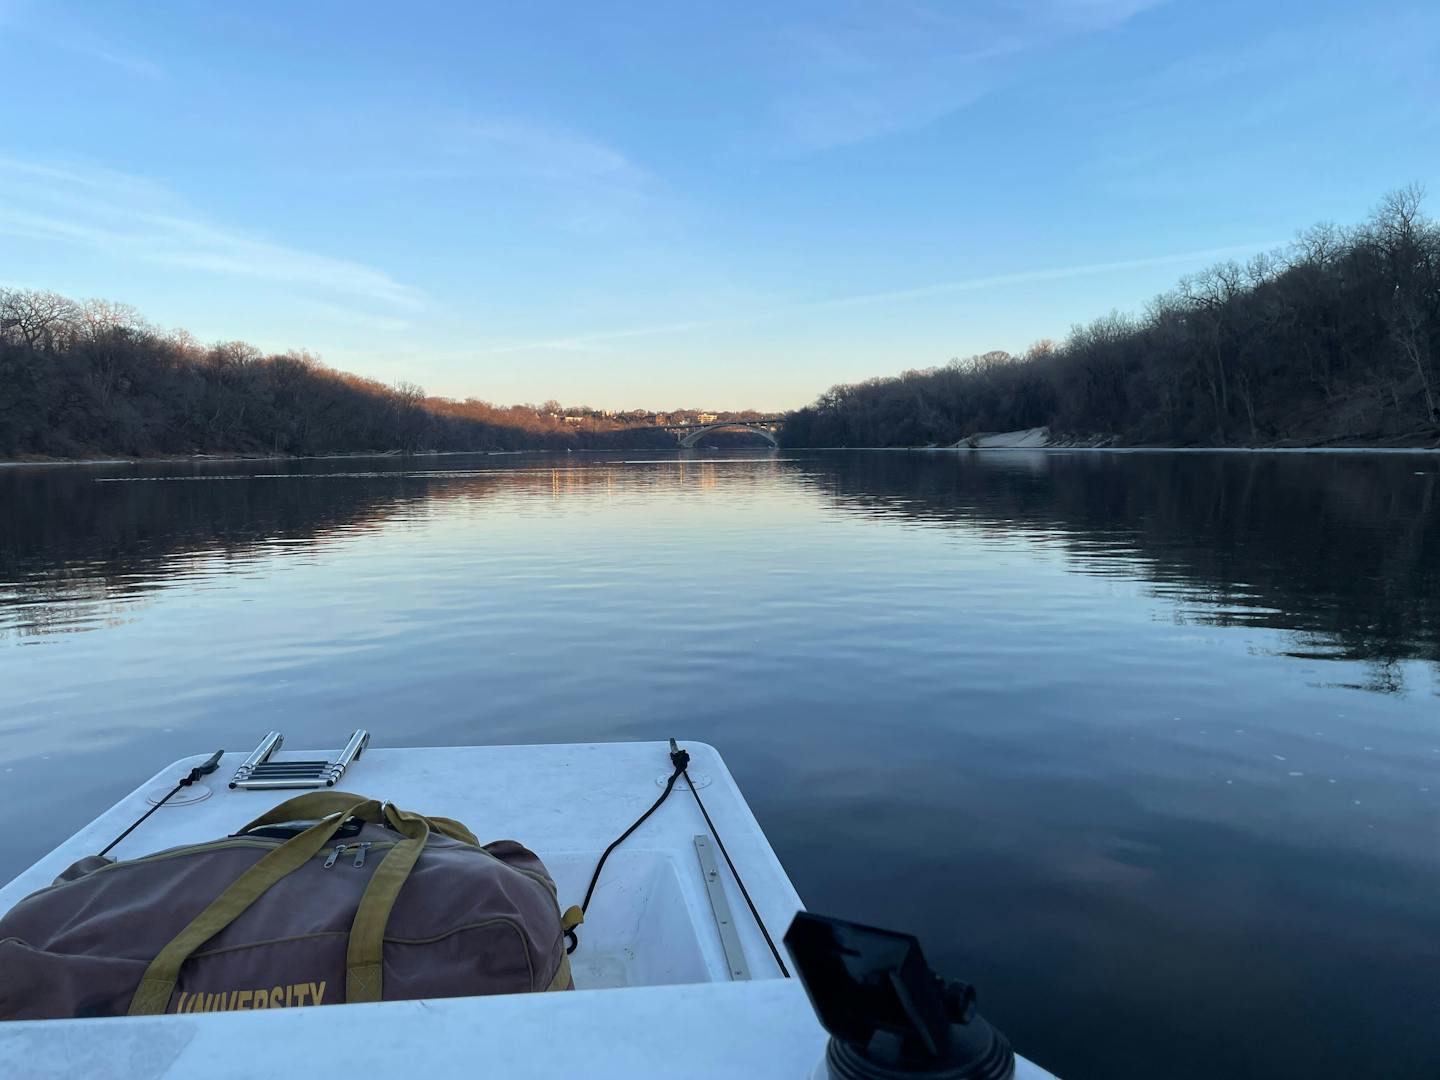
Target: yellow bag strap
x=365 y=953
x=157 y=985
x=562 y=979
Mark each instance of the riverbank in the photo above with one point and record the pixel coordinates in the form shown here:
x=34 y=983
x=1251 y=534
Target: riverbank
x=170 y=459
x=1041 y=438
x=162 y=459
x=987 y=445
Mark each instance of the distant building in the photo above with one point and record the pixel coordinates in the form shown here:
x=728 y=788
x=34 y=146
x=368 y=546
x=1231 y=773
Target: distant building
x=574 y=419
x=706 y=418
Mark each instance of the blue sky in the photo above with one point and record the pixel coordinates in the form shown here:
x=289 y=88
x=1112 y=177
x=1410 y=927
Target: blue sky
x=681 y=204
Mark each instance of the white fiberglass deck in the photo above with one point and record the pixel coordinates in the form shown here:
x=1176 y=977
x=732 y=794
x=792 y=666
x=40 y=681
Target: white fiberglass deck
x=650 y=928
x=650 y=922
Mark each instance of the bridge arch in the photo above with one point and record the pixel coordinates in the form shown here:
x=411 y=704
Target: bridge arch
x=691 y=438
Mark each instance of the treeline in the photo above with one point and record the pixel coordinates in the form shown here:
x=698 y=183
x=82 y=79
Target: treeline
x=1334 y=339
x=90 y=378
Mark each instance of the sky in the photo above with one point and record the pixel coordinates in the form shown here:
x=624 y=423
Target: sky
x=682 y=205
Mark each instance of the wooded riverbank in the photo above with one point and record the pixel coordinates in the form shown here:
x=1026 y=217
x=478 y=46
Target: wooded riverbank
x=1335 y=339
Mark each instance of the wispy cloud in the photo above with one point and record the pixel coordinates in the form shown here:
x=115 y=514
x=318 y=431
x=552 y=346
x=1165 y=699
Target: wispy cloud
x=119 y=184
x=860 y=70
x=96 y=49
x=562 y=177
x=597 y=342
x=351 y=317
x=1160 y=131
x=537 y=153
x=134 y=218
x=48 y=26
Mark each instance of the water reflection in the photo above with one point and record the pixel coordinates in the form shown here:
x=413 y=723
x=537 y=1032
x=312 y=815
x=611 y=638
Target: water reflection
x=80 y=549
x=1340 y=550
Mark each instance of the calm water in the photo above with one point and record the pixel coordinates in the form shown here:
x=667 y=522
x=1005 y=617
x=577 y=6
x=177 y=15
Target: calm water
x=1146 y=745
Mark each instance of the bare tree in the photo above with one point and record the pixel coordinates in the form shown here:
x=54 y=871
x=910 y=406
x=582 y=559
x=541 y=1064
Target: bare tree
x=1411 y=257
x=41 y=320
x=97 y=317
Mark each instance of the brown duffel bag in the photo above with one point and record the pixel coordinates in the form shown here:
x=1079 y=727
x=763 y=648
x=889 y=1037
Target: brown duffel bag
x=404 y=906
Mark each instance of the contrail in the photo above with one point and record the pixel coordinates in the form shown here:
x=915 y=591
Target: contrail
x=1052 y=274
x=1058 y=273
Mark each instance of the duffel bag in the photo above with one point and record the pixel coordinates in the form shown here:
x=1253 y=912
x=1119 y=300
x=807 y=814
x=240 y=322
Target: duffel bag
x=327 y=898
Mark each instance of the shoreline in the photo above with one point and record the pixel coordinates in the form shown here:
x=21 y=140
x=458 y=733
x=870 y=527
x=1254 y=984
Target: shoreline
x=220 y=459
x=1382 y=449
x=51 y=463
x=1128 y=449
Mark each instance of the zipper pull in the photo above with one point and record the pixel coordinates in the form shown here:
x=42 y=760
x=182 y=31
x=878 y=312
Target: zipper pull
x=333 y=856
x=364 y=846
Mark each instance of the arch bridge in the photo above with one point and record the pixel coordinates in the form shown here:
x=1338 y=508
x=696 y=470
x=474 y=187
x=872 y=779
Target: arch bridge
x=689 y=435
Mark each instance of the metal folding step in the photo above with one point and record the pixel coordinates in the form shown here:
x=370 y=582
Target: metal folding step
x=260 y=771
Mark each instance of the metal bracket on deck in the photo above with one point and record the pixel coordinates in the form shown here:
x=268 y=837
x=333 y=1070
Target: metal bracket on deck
x=729 y=936
x=258 y=771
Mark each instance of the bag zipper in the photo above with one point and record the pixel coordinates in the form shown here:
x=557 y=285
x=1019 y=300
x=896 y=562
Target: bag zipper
x=360 y=849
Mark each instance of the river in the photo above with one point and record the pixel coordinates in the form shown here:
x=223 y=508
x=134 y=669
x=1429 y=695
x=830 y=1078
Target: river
x=1146 y=745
